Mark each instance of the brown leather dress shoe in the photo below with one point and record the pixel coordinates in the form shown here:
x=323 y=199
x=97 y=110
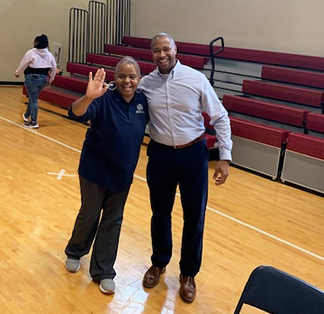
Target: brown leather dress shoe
x=187 y=288
x=152 y=276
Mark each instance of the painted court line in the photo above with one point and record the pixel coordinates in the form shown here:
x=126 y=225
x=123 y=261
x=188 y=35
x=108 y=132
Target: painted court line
x=61 y=174
x=41 y=135
x=266 y=234
x=208 y=208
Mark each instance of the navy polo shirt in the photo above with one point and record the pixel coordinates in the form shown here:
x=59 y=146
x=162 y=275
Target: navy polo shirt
x=111 y=148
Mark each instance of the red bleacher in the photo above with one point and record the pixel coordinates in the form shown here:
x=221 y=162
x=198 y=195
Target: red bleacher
x=258 y=147
x=210 y=140
x=139 y=42
x=83 y=70
x=206 y=122
x=210 y=132
x=293 y=76
x=102 y=60
x=315 y=122
x=182 y=47
x=308 y=97
x=58 y=98
x=197 y=62
x=307 y=145
x=304 y=162
x=260 y=133
x=275 y=58
x=275 y=112
x=105 y=60
x=73 y=83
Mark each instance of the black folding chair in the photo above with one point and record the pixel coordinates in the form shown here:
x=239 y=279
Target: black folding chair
x=276 y=292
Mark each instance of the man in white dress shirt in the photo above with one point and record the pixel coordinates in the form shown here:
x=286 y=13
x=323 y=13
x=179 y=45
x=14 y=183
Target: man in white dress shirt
x=177 y=95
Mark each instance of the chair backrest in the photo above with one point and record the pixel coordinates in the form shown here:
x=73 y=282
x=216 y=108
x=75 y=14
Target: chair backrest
x=277 y=292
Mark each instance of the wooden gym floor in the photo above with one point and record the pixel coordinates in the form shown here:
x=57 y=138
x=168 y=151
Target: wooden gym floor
x=250 y=221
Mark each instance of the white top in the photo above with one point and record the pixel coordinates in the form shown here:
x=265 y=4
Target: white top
x=38 y=58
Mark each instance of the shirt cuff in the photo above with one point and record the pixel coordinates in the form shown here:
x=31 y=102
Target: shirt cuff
x=225 y=155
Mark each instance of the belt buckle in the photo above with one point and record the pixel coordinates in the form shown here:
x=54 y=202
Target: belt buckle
x=182 y=146
x=198 y=139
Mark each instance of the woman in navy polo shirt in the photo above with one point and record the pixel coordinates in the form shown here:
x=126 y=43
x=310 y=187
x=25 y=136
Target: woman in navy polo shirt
x=118 y=115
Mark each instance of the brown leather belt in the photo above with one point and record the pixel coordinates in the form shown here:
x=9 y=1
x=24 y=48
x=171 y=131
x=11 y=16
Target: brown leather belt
x=198 y=139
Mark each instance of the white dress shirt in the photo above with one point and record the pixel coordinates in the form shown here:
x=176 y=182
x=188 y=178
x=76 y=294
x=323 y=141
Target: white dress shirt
x=176 y=102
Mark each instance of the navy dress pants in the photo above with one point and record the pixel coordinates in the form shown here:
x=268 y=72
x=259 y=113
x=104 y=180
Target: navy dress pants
x=166 y=169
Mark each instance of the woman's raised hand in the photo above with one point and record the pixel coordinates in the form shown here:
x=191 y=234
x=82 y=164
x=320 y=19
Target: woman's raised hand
x=96 y=85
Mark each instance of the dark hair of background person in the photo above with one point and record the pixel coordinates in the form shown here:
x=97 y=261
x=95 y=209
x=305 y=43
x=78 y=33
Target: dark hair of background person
x=41 y=42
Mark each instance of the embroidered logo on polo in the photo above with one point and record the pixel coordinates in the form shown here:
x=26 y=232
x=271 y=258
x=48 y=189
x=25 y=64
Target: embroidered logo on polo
x=140 y=109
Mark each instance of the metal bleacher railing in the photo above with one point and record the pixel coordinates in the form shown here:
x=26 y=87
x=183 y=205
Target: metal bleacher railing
x=78 y=36
x=90 y=30
x=97 y=27
x=213 y=55
x=118 y=17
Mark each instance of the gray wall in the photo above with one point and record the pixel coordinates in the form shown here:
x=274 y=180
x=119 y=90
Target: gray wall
x=293 y=26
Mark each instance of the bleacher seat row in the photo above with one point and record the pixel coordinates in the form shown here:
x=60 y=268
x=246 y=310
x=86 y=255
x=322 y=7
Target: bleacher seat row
x=293 y=76
x=258 y=147
x=111 y=61
x=280 y=154
x=302 y=96
x=250 y=108
x=194 y=61
x=315 y=124
x=304 y=162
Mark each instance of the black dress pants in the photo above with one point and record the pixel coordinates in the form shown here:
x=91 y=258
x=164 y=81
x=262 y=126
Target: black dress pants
x=99 y=220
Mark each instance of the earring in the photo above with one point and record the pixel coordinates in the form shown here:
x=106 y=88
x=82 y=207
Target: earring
x=112 y=86
x=138 y=90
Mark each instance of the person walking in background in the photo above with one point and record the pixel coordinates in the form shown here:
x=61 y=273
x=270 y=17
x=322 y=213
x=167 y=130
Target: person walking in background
x=39 y=67
x=118 y=114
x=178 y=154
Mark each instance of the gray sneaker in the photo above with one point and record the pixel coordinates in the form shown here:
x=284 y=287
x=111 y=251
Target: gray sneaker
x=72 y=265
x=107 y=286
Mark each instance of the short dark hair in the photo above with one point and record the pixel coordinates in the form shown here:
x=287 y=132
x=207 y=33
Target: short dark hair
x=173 y=44
x=41 y=42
